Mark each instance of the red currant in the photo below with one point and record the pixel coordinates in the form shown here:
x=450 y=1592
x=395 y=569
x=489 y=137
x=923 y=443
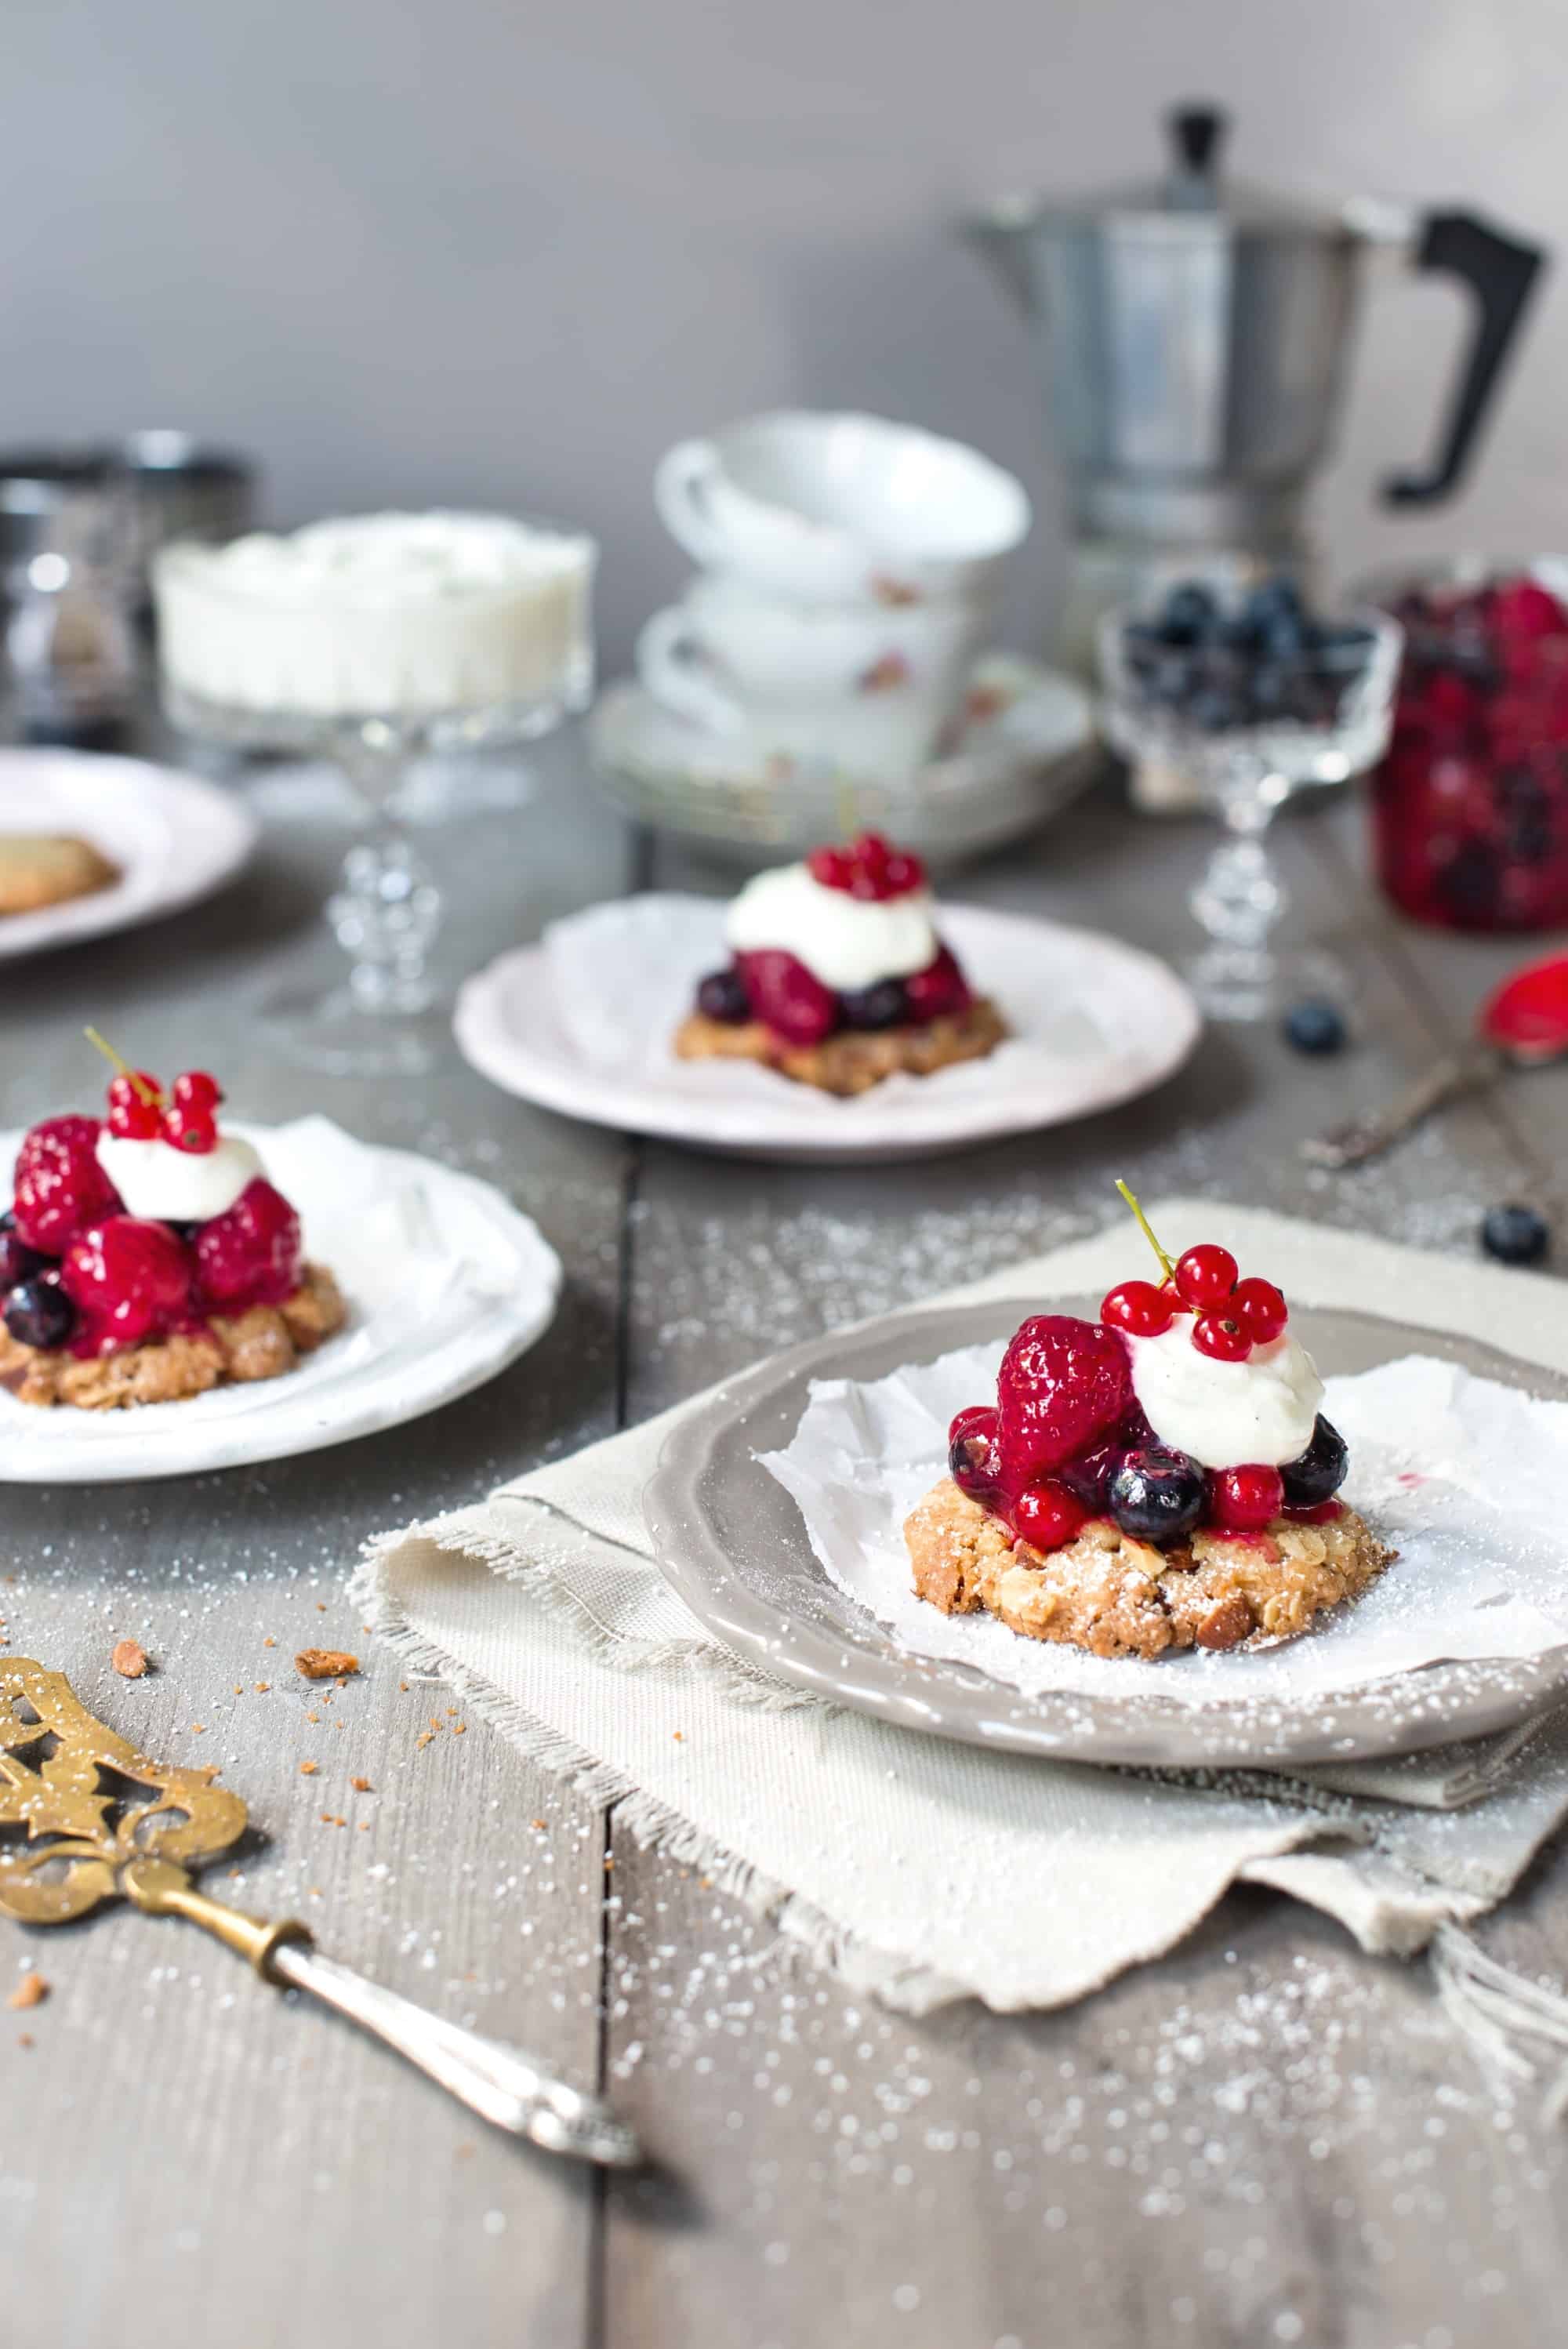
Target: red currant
x=1140 y=1308
x=186 y=1127
x=197 y=1090
x=973 y=1452
x=135 y=1115
x=1222 y=1340
x=1261 y=1310
x=1205 y=1276
x=830 y=868
x=1246 y=1499
x=1046 y=1516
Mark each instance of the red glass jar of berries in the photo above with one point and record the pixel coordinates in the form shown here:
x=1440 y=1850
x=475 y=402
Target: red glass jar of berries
x=1470 y=809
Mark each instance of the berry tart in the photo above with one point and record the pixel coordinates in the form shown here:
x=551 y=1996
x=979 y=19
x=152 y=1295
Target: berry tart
x=838 y=978
x=1161 y=1478
x=147 y=1258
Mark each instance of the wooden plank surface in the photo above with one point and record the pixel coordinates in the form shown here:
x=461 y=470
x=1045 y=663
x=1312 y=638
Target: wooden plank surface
x=1266 y=2138
x=190 y=2157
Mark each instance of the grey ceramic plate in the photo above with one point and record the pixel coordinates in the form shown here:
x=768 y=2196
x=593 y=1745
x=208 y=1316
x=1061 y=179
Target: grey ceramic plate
x=733 y=1544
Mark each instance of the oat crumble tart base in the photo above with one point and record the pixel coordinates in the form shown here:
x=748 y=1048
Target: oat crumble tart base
x=261 y=1343
x=1114 y=1596
x=856 y=1059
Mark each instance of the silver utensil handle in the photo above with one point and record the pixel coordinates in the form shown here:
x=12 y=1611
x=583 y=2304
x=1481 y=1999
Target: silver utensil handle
x=1363 y=1137
x=498 y=2082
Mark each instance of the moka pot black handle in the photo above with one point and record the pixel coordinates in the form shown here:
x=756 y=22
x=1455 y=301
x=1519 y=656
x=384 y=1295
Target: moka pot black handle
x=1501 y=272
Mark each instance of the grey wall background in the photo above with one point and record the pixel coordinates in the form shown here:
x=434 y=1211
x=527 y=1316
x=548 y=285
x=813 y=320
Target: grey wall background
x=417 y=251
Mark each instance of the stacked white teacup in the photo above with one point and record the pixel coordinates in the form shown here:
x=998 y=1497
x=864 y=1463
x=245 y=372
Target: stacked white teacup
x=850 y=569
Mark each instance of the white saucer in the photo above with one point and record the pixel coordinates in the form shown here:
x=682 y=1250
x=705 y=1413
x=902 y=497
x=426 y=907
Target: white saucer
x=582 y=1023
x=174 y=838
x=446 y=1284
x=1026 y=750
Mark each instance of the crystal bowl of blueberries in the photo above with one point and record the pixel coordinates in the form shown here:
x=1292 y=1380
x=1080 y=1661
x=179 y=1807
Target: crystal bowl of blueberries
x=1254 y=696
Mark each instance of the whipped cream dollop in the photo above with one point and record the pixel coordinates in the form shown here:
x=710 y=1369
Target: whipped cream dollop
x=178 y=1187
x=392 y=557
x=845 y=942
x=1227 y=1415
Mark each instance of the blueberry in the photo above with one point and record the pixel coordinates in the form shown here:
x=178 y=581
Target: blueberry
x=1157 y=1496
x=39 y=1313
x=1315 y=1025
x=1188 y=614
x=16 y=1258
x=722 y=996
x=1320 y=1470
x=1515 y=1235
x=886 y=1005
x=1215 y=710
x=8 y=1220
x=1090 y=1476
x=186 y=1232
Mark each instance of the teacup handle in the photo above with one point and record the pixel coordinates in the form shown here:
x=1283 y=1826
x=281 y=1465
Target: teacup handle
x=677 y=671
x=680 y=480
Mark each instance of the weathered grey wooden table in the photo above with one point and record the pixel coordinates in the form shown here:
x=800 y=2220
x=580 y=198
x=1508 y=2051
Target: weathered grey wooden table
x=1266 y=2138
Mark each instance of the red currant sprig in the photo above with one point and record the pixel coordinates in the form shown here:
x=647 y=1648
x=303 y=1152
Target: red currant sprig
x=137 y=1110
x=1231 y=1315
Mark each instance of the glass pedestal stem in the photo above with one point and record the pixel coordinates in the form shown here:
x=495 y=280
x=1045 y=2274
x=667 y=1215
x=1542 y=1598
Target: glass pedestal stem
x=1240 y=896
x=387 y=911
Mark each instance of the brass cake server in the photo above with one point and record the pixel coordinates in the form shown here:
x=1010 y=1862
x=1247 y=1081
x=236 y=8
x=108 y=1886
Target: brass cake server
x=100 y=1821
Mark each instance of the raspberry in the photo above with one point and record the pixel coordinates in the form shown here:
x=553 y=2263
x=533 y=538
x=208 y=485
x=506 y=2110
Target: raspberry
x=135 y=1115
x=60 y=1187
x=129 y=1279
x=787 y=998
x=250 y=1254
x=939 y=988
x=1063 y=1385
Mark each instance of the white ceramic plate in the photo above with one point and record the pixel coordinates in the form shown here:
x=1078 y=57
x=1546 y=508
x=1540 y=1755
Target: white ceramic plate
x=174 y=838
x=446 y=1284
x=582 y=1023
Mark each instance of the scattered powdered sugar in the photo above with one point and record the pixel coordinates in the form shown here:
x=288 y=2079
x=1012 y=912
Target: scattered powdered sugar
x=1461 y=1475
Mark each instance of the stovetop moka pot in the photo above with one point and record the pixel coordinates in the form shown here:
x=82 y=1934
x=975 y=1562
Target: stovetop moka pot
x=1193 y=336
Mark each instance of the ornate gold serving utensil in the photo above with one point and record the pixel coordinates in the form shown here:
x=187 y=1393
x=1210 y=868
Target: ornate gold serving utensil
x=99 y=1821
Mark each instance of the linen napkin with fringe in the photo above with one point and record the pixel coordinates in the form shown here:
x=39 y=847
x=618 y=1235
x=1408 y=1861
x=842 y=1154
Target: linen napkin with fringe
x=924 y=1870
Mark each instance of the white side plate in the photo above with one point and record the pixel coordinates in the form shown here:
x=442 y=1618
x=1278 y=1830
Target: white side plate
x=446 y=1283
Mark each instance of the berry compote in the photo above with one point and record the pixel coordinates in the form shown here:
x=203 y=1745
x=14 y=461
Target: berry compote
x=1470 y=808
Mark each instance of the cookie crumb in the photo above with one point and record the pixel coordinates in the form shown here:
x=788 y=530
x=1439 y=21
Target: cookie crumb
x=362 y=1786
x=325 y=1664
x=130 y=1660
x=308 y=1769
x=31 y=1991
x=269 y=1641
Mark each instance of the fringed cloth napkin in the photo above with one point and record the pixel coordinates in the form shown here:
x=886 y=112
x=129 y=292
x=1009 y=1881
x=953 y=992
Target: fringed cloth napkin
x=925 y=1870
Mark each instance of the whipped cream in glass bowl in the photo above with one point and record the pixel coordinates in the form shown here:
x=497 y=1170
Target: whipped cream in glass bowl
x=373 y=639
x=847 y=943
x=1225 y=1414
x=379 y=614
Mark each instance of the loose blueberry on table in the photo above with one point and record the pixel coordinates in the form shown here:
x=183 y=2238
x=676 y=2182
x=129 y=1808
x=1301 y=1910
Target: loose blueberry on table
x=1106 y=1499
x=838 y=978
x=146 y=1255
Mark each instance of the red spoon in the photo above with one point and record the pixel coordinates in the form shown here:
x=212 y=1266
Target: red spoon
x=1522 y=1024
